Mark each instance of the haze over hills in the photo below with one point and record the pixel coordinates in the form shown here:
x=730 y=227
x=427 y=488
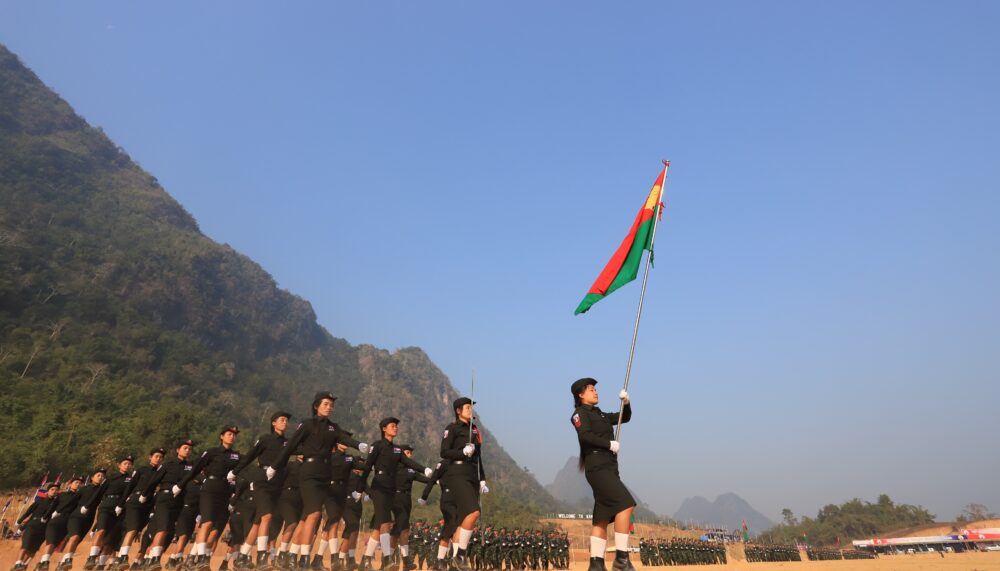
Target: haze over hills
x=123 y=327
x=571 y=488
x=728 y=511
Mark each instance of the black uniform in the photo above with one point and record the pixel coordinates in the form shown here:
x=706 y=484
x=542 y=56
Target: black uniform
x=136 y=512
x=66 y=503
x=213 y=505
x=314 y=439
x=595 y=430
x=341 y=465
x=352 y=508
x=36 y=516
x=90 y=496
x=114 y=497
x=243 y=507
x=266 y=451
x=167 y=507
x=463 y=473
x=188 y=516
x=384 y=459
x=289 y=501
x=449 y=510
x=402 y=503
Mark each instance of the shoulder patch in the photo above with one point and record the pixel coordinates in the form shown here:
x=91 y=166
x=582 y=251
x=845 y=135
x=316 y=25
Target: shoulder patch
x=445 y=433
x=576 y=420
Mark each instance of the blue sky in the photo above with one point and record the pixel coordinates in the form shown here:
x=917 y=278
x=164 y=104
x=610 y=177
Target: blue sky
x=822 y=320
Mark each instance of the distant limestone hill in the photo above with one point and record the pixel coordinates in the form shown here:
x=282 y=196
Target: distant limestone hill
x=123 y=327
x=728 y=511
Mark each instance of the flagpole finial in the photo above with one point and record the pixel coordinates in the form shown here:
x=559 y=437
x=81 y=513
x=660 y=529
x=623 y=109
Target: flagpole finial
x=666 y=162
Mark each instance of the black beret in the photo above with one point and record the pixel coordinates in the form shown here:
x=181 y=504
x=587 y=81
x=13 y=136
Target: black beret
x=406 y=447
x=128 y=457
x=280 y=414
x=100 y=471
x=462 y=401
x=580 y=385
x=187 y=441
x=159 y=450
x=323 y=395
x=387 y=421
x=52 y=485
x=80 y=478
x=229 y=428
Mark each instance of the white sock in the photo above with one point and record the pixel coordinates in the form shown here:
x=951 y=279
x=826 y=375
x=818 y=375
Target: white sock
x=102 y=560
x=261 y=543
x=123 y=550
x=322 y=547
x=352 y=553
x=67 y=556
x=343 y=555
x=95 y=551
x=621 y=541
x=370 y=548
x=386 y=542
x=464 y=535
x=442 y=551
x=334 y=545
x=597 y=546
x=175 y=556
x=156 y=551
x=283 y=547
x=245 y=549
x=454 y=549
x=404 y=550
x=294 y=549
x=45 y=558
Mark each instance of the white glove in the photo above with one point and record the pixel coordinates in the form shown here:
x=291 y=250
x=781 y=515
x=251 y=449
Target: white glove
x=142 y=499
x=422 y=501
x=428 y=472
x=176 y=490
x=118 y=510
x=623 y=395
x=355 y=496
x=83 y=510
x=615 y=446
x=483 y=488
x=363 y=448
x=469 y=449
x=55 y=514
x=365 y=498
x=270 y=472
x=231 y=477
x=230 y=508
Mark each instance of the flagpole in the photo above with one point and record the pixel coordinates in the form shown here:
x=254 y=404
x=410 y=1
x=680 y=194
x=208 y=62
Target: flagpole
x=642 y=295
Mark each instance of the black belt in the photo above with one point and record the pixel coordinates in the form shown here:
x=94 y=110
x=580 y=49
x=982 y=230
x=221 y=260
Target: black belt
x=459 y=462
x=323 y=459
x=112 y=495
x=337 y=482
x=601 y=451
x=213 y=477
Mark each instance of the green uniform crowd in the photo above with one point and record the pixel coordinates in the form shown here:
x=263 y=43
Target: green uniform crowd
x=757 y=553
x=680 y=551
x=853 y=554
x=497 y=549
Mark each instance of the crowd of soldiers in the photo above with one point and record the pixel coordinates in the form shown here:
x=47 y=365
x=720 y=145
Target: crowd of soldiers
x=681 y=551
x=823 y=554
x=856 y=554
x=757 y=553
x=293 y=501
x=496 y=549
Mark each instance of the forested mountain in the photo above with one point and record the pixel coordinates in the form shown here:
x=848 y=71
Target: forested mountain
x=123 y=327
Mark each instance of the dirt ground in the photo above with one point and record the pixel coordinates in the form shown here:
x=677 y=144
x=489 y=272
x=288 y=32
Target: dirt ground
x=918 y=562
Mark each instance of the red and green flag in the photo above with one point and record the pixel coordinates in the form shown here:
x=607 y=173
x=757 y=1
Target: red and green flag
x=624 y=264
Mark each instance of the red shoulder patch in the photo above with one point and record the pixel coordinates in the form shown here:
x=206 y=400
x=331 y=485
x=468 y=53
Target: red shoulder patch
x=576 y=420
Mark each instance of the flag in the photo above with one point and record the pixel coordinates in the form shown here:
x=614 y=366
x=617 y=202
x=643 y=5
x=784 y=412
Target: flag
x=624 y=264
x=40 y=493
x=631 y=524
x=746 y=532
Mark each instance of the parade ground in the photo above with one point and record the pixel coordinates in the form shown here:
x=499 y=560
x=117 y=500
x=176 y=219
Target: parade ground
x=916 y=562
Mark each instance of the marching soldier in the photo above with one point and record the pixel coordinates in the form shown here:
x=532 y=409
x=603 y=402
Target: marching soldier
x=401 y=506
x=213 y=501
x=314 y=439
x=465 y=476
x=266 y=492
x=32 y=523
x=137 y=507
x=55 y=530
x=384 y=459
x=167 y=501
x=81 y=520
x=599 y=456
x=109 y=511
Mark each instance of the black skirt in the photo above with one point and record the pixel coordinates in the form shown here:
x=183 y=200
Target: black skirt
x=32 y=535
x=402 y=504
x=382 y=499
x=79 y=525
x=610 y=495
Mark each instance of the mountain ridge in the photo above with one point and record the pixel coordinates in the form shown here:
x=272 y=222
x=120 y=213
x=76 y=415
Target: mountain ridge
x=728 y=511
x=123 y=327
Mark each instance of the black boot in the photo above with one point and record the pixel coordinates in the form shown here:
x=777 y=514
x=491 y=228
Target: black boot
x=460 y=562
x=261 y=563
x=317 y=563
x=386 y=562
x=596 y=564
x=408 y=564
x=335 y=562
x=621 y=562
x=42 y=566
x=366 y=563
x=155 y=564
